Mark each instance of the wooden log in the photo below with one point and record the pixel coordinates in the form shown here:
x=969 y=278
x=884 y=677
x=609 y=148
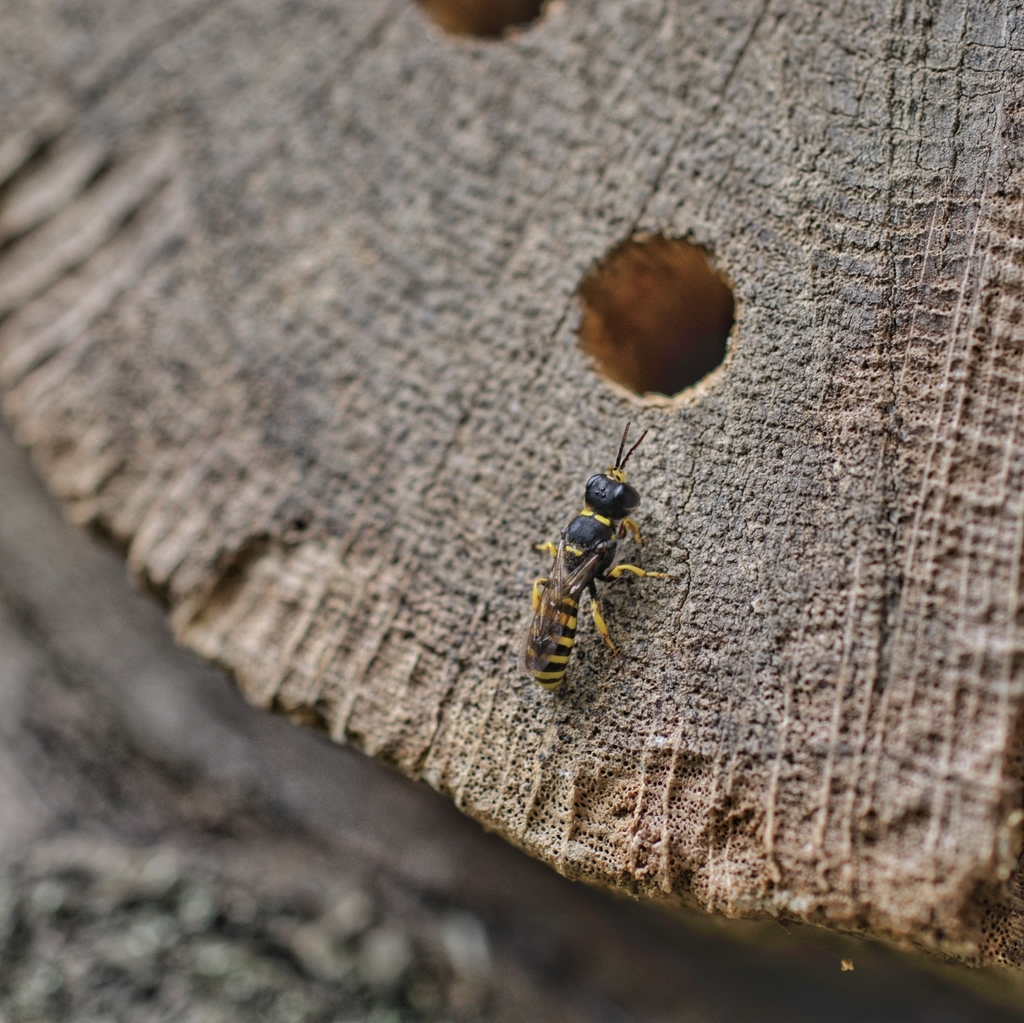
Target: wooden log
x=307 y=348
x=121 y=750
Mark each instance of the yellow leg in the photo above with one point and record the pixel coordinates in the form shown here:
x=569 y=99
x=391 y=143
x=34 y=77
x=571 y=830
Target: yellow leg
x=619 y=569
x=632 y=527
x=537 y=583
x=601 y=627
x=549 y=547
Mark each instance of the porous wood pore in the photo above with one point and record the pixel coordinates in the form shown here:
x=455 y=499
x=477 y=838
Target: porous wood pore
x=307 y=348
x=655 y=317
x=485 y=18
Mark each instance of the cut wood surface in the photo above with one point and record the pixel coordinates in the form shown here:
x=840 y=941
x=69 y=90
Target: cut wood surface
x=120 y=751
x=306 y=347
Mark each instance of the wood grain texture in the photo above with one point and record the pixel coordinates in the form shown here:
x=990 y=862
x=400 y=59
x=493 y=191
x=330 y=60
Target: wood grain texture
x=119 y=749
x=335 y=397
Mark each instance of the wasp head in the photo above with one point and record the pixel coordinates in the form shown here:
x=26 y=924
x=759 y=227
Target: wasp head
x=612 y=496
x=608 y=493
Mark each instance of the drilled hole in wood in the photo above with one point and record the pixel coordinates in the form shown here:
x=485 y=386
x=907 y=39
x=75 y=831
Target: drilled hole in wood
x=656 y=316
x=491 y=19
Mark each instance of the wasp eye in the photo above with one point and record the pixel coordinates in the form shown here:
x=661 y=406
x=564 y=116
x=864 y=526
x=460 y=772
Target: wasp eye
x=626 y=499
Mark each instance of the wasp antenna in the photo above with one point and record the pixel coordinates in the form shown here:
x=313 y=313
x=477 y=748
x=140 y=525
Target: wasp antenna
x=631 y=450
x=622 y=447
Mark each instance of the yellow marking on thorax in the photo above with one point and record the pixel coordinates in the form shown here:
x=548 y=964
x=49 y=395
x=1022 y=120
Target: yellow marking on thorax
x=591 y=514
x=574 y=550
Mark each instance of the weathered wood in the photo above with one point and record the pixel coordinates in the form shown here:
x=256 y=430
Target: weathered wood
x=124 y=759
x=324 y=385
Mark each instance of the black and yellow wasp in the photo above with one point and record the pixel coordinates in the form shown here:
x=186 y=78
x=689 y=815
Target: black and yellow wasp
x=583 y=558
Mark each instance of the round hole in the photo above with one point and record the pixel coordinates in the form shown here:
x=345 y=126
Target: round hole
x=488 y=18
x=656 y=317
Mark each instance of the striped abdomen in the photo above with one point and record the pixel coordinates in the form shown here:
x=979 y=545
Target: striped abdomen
x=550 y=641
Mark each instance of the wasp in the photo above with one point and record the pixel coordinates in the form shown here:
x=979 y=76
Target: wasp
x=583 y=558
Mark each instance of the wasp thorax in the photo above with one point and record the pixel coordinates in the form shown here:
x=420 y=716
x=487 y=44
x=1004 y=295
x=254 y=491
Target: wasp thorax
x=611 y=497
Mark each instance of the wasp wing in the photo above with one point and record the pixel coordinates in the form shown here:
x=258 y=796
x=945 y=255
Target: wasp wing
x=546 y=628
